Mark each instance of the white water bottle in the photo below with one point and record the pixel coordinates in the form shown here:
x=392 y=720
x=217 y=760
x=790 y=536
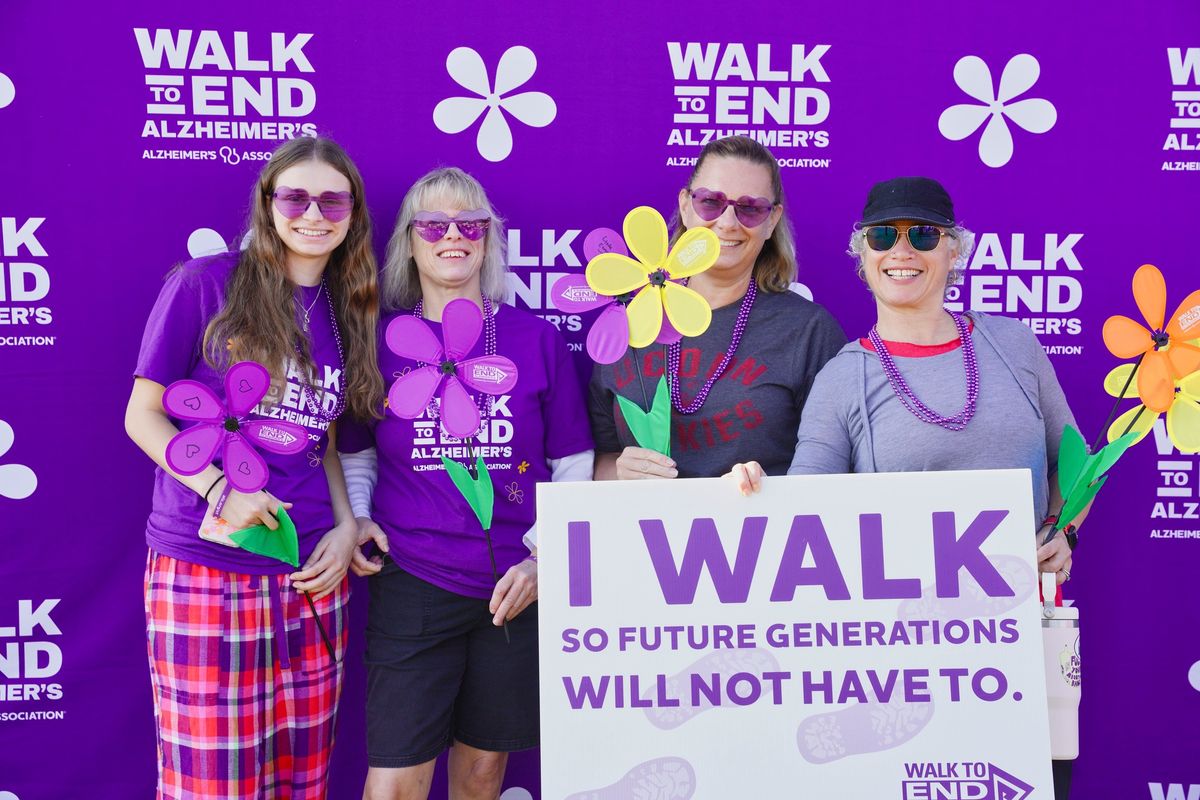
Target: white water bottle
x=1060 y=640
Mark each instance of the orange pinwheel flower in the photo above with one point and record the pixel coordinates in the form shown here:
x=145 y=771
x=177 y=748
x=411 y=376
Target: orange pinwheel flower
x=1166 y=355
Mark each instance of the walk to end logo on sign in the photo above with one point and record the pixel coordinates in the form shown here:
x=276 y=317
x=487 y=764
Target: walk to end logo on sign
x=961 y=780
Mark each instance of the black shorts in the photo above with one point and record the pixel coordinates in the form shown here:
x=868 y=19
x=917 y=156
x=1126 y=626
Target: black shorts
x=439 y=671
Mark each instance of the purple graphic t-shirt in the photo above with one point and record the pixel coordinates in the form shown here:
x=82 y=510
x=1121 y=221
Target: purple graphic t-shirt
x=432 y=531
x=191 y=296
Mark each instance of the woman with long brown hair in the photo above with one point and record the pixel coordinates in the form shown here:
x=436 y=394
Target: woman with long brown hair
x=246 y=672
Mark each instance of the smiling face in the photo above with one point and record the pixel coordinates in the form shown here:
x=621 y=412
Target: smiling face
x=907 y=279
x=453 y=261
x=310 y=238
x=735 y=178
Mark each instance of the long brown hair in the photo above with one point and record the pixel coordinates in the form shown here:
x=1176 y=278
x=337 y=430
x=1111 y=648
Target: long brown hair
x=258 y=321
x=775 y=268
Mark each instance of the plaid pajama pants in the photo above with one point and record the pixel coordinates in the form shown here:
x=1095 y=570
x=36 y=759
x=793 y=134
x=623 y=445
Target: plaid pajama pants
x=233 y=721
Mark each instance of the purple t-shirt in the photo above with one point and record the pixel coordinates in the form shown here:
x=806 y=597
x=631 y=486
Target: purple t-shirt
x=171 y=350
x=432 y=531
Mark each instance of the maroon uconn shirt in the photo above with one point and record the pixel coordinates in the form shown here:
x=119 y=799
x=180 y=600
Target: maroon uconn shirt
x=752 y=411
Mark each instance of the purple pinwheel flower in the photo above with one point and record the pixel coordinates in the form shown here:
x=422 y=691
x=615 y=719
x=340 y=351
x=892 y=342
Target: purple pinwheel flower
x=225 y=426
x=441 y=366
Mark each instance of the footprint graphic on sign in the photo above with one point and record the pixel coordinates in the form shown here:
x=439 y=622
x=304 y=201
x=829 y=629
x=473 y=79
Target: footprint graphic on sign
x=725 y=662
x=660 y=779
x=17 y=481
x=973 y=601
x=861 y=728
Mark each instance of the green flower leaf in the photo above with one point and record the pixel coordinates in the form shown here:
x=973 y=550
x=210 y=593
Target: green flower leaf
x=1088 y=474
x=477 y=490
x=652 y=429
x=281 y=543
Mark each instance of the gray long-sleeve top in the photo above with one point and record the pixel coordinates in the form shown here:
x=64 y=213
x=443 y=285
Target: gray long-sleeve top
x=853 y=421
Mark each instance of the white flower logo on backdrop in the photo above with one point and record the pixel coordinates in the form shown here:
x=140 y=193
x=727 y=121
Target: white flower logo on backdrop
x=516 y=67
x=17 y=481
x=7 y=90
x=1032 y=114
x=205 y=242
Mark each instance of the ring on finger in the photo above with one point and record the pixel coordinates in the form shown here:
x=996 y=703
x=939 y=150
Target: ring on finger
x=1066 y=574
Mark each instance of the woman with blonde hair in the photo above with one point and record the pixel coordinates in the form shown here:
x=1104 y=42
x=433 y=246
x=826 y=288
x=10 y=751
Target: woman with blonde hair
x=451 y=650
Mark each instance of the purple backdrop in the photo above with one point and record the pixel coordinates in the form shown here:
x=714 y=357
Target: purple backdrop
x=123 y=151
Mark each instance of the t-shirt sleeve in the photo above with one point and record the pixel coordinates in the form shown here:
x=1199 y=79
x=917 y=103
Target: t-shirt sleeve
x=600 y=409
x=354 y=435
x=1052 y=402
x=821 y=341
x=823 y=445
x=563 y=408
x=174 y=331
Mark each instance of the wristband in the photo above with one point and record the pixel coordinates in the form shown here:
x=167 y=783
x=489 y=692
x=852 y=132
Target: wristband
x=221 y=500
x=213 y=486
x=1071 y=536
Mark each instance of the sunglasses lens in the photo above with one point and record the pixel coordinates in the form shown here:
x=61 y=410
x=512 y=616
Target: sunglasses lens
x=430 y=230
x=924 y=237
x=335 y=206
x=292 y=203
x=708 y=205
x=881 y=238
x=472 y=229
x=751 y=214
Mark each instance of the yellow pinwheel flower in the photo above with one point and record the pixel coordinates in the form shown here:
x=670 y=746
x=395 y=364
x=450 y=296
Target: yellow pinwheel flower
x=652 y=274
x=1183 y=410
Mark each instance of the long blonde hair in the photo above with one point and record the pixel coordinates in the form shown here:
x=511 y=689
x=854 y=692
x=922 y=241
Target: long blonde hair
x=258 y=321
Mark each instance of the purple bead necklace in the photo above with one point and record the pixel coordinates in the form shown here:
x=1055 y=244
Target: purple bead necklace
x=484 y=403
x=910 y=400
x=674 y=353
x=310 y=397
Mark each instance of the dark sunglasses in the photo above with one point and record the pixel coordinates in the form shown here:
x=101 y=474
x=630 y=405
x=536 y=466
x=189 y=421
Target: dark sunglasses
x=433 y=225
x=923 y=238
x=750 y=211
x=292 y=203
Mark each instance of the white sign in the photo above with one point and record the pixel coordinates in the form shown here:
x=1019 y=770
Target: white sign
x=849 y=635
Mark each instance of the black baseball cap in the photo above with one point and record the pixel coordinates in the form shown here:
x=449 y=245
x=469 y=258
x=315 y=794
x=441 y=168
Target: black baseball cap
x=919 y=199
